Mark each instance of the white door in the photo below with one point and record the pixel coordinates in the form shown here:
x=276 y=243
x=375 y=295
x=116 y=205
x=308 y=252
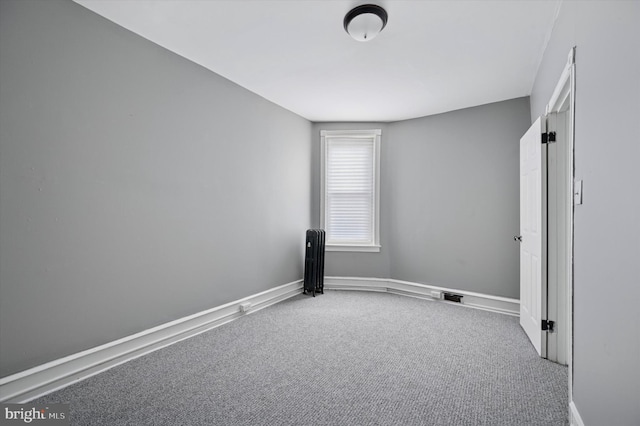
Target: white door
x=533 y=290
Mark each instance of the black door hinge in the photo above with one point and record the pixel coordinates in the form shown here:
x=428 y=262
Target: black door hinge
x=548 y=325
x=549 y=137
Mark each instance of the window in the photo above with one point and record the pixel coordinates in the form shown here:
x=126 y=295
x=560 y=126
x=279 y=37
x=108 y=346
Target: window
x=350 y=189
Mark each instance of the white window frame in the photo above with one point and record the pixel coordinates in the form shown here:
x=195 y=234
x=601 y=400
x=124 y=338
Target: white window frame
x=374 y=135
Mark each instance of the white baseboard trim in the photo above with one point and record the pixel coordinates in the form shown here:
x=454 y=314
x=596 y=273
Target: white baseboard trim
x=574 y=415
x=35 y=382
x=485 y=302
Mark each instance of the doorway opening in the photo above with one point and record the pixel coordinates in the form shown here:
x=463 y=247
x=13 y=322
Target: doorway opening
x=547 y=199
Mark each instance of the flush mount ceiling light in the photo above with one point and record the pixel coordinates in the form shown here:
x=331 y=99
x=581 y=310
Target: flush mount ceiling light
x=364 y=22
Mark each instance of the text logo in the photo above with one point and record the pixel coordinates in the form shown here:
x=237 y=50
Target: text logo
x=38 y=415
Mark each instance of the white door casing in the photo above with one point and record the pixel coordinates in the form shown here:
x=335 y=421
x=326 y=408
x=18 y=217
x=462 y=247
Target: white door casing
x=533 y=286
x=560 y=113
x=559 y=209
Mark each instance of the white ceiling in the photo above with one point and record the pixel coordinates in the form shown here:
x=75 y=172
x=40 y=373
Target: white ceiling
x=433 y=56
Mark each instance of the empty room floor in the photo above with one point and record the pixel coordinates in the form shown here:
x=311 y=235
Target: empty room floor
x=341 y=358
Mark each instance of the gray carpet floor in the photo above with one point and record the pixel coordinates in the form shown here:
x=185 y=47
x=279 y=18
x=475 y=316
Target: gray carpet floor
x=342 y=358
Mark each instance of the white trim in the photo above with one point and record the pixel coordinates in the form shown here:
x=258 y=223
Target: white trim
x=481 y=301
x=564 y=91
x=574 y=415
x=351 y=133
x=336 y=247
x=30 y=384
x=35 y=382
x=375 y=134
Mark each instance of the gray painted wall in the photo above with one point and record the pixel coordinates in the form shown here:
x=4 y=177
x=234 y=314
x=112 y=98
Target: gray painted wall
x=454 y=194
x=606 y=377
x=135 y=186
x=449 y=200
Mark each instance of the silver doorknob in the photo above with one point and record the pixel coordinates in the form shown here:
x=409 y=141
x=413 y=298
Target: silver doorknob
x=517 y=238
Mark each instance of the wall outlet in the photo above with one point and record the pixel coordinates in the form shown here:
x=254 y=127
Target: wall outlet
x=436 y=294
x=244 y=307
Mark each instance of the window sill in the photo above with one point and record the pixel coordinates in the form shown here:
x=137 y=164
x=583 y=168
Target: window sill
x=366 y=249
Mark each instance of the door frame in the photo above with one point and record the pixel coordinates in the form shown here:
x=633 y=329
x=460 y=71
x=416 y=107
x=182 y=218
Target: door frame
x=562 y=101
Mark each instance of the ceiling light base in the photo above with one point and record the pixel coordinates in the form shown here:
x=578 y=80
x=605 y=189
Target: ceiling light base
x=365 y=22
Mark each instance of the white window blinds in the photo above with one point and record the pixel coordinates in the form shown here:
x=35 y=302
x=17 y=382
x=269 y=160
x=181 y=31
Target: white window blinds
x=350 y=189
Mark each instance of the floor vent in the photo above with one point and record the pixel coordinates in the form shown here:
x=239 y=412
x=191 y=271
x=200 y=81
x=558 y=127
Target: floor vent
x=453 y=297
